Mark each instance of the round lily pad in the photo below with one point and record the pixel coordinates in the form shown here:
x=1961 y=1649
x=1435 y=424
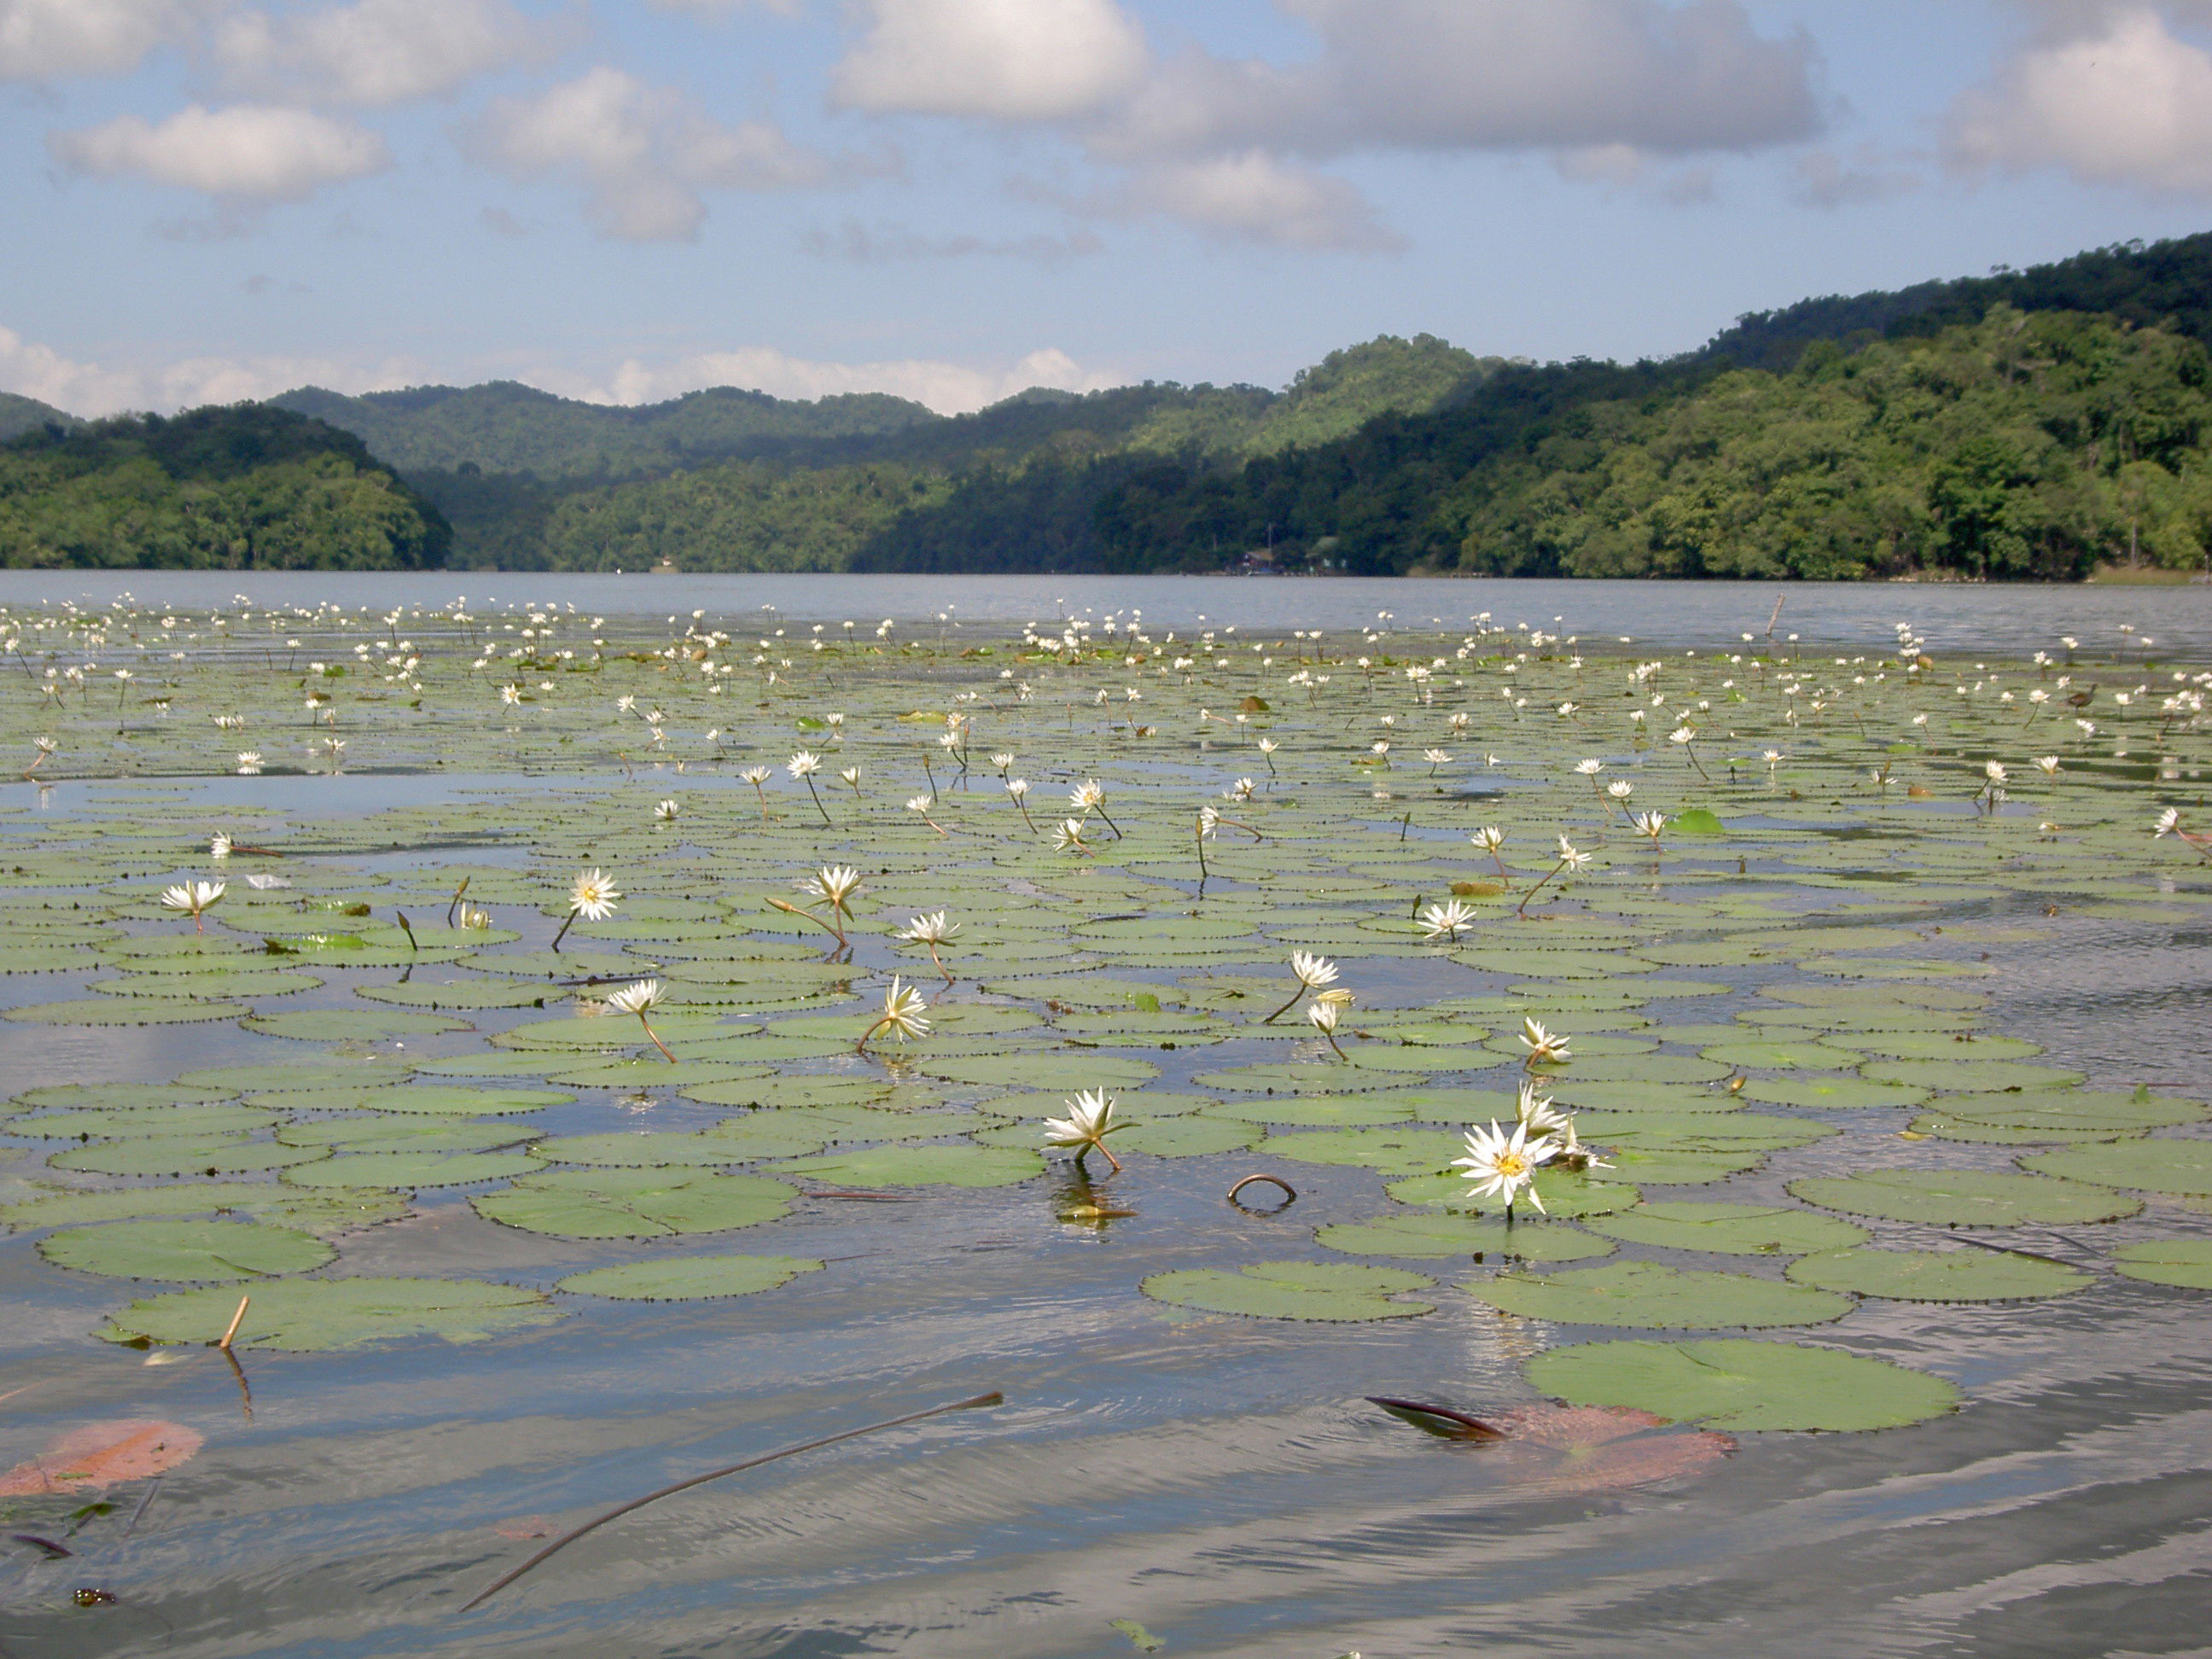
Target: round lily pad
x=205 y=1250
x=126 y=1011
x=131 y=1123
x=162 y=1155
x=1045 y=1072
x=351 y=1024
x=603 y=1203
x=639 y=1150
x=469 y=993
x=1184 y=1137
x=1730 y=1229
x=1323 y=1112
x=1646 y=1293
x=444 y=1099
x=2148 y=1166
x=1937 y=1275
x=922 y=1166
x=1783 y=1056
x=1854 y=1093
x=324 y=1213
x=319 y=1315
x=1324 y=1291
x=1744 y=1385
x=1567 y=1194
x=1966 y=1198
x=409 y=1172
x=1968 y=1075
x=2184 y=1261
x=1392 y=1151
x=308 y=1074
x=117 y=1096
x=2071 y=1110
x=690 y=1278
x=1441 y=1236
x=1676 y=1168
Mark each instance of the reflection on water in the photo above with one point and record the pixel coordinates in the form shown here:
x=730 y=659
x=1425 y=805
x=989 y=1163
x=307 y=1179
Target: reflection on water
x=1953 y=617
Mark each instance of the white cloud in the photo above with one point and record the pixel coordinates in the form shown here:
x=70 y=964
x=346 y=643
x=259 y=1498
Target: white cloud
x=246 y=152
x=949 y=388
x=1255 y=197
x=879 y=244
x=2125 y=101
x=1490 y=75
x=375 y=53
x=53 y=40
x=1007 y=60
x=643 y=153
x=93 y=389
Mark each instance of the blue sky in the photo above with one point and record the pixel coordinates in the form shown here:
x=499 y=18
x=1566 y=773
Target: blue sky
x=210 y=200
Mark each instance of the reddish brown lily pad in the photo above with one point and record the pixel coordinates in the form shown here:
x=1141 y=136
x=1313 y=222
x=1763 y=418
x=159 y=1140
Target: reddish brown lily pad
x=102 y=1455
x=1545 y=1450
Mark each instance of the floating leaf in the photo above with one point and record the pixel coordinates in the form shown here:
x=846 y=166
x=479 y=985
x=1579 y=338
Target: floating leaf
x=599 y=1203
x=1324 y=1291
x=102 y=1455
x=1968 y=1198
x=2184 y=1261
x=1851 y=1093
x=690 y=1278
x=1646 y=1293
x=640 y=1150
x=204 y=1250
x=351 y=1024
x=319 y=1314
x=1730 y=1229
x=322 y=1213
x=409 y=1171
x=1567 y=1194
x=1968 y=1075
x=1046 y=1072
x=1744 y=1385
x=922 y=1166
x=2148 y=1166
x=1442 y=1236
x=162 y=1155
x=1937 y=1275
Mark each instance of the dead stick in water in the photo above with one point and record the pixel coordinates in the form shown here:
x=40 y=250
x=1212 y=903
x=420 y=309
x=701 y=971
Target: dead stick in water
x=974 y=1402
x=236 y=1320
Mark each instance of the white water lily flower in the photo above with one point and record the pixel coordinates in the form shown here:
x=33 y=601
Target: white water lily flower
x=249 y=763
x=755 y=776
x=1312 y=971
x=1018 y=787
x=1590 y=767
x=1621 y=789
x=1069 y=836
x=594 y=896
x=638 y=997
x=1546 y=1047
x=192 y=897
x=1570 y=858
x=2047 y=765
x=1000 y=763
x=903 y=1009
x=1503 y=1165
x=219 y=845
x=928 y=930
x=804 y=764
x=1240 y=790
x=2168 y=822
x=1087 y=796
x=667 y=811
x=1650 y=824
x=1089 y=1120
x=1489 y=838
x=1448 y=921
x=834 y=884
x=1994 y=770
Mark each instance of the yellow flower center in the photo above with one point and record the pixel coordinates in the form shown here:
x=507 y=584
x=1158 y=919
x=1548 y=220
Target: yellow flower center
x=1512 y=1164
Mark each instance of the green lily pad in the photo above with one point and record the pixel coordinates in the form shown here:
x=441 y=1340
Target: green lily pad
x=1391 y=1150
x=922 y=1166
x=161 y=1155
x=1323 y=1111
x=603 y=1203
x=321 y=1213
x=1966 y=1198
x=443 y=1099
x=324 y=1315
x=1567 y=1193
x=2184 y=1261
x=1677 y=1168
x=205 y=1250
x=468 y=993
x=1441 y=1236
x=1968 y=1075
x=1939 y=1045
x=638 y=1151
x=1743 y=1385
x=690 y=1278
x=117 y=1096
x=133 y=1123
x=310 y=1074
x=1328 y=1292
x=1646 y=1293
x=1730 y=1229
x=1783 y=1056
x=409 y=1171
x=2076 y=1110
x=351 y=1024
x=1184 y=1137
x=122 y=1010
x=1937 y=1275
x=1849 y=1093
x=2146 y=1166
x=1045 y=1072
x=355 y=1133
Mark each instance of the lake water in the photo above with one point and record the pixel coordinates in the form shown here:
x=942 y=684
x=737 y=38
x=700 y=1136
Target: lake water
x=1218 y=1478
x=1862 y=616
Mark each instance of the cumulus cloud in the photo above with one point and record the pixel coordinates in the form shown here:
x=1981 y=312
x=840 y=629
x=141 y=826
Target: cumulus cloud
x=2109 y=95
x=1490 y=75
x=947 y=387
x=375 y=53
x=1007 y=60
x=1255 y=197
x=92 y=389
x=642 y=153
x=246 y=152
x=53 y=40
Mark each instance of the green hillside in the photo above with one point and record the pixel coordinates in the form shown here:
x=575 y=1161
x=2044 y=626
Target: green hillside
x=19 y=415
x=244 y=488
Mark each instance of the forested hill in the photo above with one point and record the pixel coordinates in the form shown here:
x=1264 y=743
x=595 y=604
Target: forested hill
x=2163 y=284
x=19 y=415
x=243 y=487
